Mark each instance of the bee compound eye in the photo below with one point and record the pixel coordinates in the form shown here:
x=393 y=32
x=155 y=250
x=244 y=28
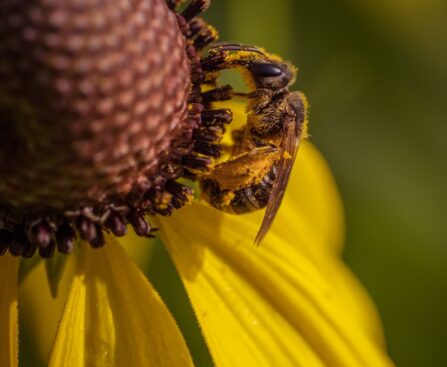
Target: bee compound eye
x=265 y=70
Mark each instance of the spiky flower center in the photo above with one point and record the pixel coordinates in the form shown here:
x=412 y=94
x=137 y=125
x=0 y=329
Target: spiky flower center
x=101 y=112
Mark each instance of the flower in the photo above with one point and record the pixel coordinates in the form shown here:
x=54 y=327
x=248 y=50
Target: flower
x=290 y=302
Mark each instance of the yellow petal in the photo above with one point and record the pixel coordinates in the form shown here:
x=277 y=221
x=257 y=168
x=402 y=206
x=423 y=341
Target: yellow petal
x=39 y=310
x=312 y=193
x=263 y=306
x=311 y=244
x=8 y=311
x=312 y=215
x=353 y=297
x=113 y=317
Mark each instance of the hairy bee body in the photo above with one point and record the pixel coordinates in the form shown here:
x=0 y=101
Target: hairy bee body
x=244 y=200
x=256 y=174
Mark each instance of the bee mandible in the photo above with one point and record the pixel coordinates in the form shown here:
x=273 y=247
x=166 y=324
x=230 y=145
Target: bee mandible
x=264 y=150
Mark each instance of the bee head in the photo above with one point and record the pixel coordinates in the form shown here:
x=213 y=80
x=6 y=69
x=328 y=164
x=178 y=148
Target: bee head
x=271 y=74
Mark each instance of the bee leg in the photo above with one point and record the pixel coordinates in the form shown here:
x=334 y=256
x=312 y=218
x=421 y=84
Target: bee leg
x=223 y=93
x=220 y=60
x=241 y=94
x=218 y=117
x=229 y=185
x=216 y=61
x=244 y=169
x=207 y=137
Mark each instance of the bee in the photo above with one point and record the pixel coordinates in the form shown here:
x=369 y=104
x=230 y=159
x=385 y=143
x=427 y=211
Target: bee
x=256 y=174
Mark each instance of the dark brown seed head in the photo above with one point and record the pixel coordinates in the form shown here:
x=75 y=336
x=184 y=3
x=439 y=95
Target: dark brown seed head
x=101 y=111
x=92 y=93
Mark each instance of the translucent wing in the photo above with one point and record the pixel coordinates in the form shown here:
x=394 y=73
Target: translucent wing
x=290 y=146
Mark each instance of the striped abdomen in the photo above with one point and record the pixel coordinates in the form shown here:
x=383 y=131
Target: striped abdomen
x=244 y=200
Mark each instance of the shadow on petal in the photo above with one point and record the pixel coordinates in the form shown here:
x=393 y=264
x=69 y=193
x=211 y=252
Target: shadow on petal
x=39 y=310
x=265 y=306
x=113 y=317
x=9 y=352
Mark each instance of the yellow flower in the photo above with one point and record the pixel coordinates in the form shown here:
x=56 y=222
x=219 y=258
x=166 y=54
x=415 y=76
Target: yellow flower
x=290 y=302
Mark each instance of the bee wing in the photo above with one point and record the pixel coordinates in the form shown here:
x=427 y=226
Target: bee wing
x=289 y=150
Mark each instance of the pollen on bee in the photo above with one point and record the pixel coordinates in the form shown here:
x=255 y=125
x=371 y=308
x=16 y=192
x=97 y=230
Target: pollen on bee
x=228 y=197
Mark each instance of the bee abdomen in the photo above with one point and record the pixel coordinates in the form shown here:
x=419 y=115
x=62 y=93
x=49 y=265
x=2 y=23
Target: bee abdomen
x=268 y=180
x=250 y=199
x=241 y=201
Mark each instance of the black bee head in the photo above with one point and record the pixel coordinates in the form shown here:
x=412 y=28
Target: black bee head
x=271 y=74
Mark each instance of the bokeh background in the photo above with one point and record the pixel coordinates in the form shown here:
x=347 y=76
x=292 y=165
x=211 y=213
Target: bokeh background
x=375 y=73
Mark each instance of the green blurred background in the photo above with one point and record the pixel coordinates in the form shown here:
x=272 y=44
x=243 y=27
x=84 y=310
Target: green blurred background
x=375 y=73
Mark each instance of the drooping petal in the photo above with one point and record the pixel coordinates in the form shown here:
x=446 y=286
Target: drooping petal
x=313 y=195
x=8 y=311
x=311 y=243
x=353 y=297
x=263 y=306
x=312 y=212
x=113 y=317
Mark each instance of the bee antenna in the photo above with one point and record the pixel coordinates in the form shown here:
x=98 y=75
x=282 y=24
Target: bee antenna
x=228 y=46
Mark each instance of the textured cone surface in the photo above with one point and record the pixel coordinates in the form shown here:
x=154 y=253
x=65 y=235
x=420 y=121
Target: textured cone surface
x=92 y=93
